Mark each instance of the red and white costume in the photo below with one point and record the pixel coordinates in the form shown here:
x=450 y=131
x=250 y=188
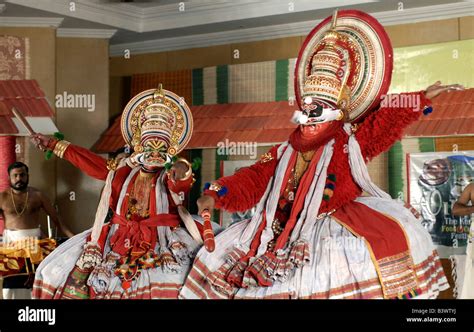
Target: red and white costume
x=144 y=251
x=328 y=240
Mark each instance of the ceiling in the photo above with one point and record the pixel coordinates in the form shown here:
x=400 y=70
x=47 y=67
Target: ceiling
x=145 y=26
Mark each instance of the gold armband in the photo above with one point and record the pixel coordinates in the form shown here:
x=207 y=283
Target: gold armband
x=112 y=164
x=60 y=148
x=214 y=186
x=189 y=172
x=266 y=157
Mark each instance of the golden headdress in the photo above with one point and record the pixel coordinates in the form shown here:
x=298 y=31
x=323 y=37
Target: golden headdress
x=345 y=62
x=160 y=115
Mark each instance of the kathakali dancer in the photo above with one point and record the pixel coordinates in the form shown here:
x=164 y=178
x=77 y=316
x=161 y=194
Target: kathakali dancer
x=313 y=234
x=143 y=252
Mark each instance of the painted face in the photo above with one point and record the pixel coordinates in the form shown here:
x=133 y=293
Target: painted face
x=19 y=178
x=310 y=130
x=315 y=111
x=315 y=117
x=154 y=154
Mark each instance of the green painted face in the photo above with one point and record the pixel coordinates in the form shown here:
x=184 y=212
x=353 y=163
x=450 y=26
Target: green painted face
x=155 y=153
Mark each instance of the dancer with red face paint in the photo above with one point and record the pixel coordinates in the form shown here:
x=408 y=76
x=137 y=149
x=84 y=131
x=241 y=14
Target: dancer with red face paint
x=313 y=234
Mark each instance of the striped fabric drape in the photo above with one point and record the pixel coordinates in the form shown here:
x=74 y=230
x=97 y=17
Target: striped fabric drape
x=178 y=82
x=241 y=83
x=244 y=83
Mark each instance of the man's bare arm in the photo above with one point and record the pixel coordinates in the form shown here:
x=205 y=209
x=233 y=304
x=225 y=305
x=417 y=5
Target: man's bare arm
x=51 y=211
x=461 y=208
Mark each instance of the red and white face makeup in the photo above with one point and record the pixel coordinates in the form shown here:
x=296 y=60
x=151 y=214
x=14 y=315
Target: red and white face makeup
x=314 y=129
x=315 y=112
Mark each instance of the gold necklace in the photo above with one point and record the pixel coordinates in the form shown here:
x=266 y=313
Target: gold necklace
x=307 y=156
x=14 y=205
x=302 y=163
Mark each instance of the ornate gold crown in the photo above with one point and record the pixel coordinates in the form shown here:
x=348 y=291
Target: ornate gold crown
x=329 y=69
x=159 y=120
x=157 y=115
x=346 y=61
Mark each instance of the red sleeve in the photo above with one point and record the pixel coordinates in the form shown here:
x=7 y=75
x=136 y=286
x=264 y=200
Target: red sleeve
x=88 y=162
x=244 y=189
x=381 y=129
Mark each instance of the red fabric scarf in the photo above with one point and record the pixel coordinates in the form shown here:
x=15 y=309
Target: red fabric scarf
x=301 y=193
x=138 y=236
x=388 y=245
x=303 y=144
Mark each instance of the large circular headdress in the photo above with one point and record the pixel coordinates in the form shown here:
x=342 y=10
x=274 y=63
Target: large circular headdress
x=157 y=113
x=347 y=61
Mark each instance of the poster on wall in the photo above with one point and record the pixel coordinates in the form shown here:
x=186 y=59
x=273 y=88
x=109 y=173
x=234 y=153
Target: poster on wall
x=229 y=167
x=436 y=180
